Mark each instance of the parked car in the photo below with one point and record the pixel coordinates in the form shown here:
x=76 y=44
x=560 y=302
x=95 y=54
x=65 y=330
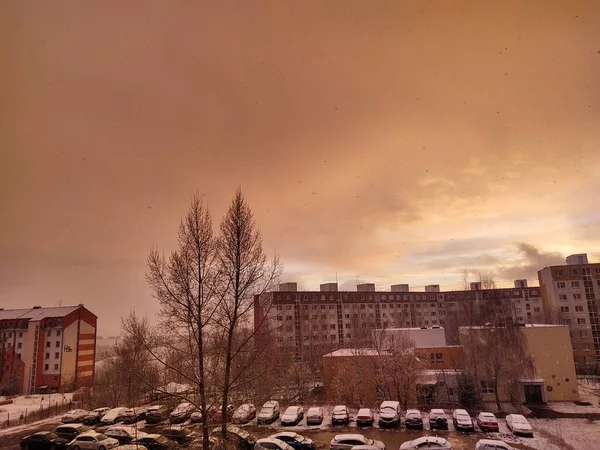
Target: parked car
x=487 y=421
x=347 y=441
x=44 y=440
x=389 y=413
x=181 y=413
x=155 y=442
x=438 y=419
x=74 y=416
x=294 y=440
x=314 y=416
x=131 y=447
x=134 y=415
x=340 y=415
x=94 y=416
x=462 y=420
x=181 y=435
x=269 y=412
x=427 y=442
x=519 y=425
x=492 y=444
x=124 y=434
x=218 y=413
x=240 y=437
x=157 y=414
x=196 y=416
x=271 y=444
x=71 y=430
x=292 y=415
x=413 y=419
x=93 y=441
x=365 y=417
x=113 y=416
x=244 y=414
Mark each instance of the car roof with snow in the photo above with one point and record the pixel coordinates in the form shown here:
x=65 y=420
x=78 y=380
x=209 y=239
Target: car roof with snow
x=347 y=436
x=430 y=439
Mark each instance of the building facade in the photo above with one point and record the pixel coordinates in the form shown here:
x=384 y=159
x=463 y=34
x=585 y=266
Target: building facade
x=47 y=348
x=310 y=324
x=571 y=296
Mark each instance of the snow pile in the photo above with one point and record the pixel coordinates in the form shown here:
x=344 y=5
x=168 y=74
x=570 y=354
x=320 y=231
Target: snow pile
x=32 y=403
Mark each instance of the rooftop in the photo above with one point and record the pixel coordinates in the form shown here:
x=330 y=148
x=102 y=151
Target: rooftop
x=37 y=313
x=355 y=352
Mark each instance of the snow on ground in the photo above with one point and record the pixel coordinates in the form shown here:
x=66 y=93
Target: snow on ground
x=587 y=393
x=576 y=433
x=31 y=403
x=29 y=426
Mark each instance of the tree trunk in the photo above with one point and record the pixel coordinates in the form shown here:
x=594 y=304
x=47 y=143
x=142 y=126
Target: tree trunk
x=496 y=394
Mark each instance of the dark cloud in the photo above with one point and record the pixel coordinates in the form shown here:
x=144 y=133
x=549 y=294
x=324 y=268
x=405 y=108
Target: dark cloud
x=530 y=259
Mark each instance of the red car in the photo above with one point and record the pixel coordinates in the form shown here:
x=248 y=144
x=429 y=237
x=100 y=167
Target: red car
x=487 y=421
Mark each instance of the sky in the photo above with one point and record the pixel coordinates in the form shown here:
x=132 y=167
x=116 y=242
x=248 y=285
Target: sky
x=386 y=142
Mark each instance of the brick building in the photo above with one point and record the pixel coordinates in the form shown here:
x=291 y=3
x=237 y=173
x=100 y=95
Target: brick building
x=571 y=294
x=47 y=348
x=310 y=324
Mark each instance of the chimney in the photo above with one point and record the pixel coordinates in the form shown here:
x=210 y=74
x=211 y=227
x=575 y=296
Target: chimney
x=476 y=286
x=365 y=287
x=432 y=288
x=399 y=287
x=520 y=283
x=288 y=287
x=580 y=258
x=329 y=287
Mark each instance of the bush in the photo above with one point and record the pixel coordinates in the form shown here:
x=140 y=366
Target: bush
x=469 y=396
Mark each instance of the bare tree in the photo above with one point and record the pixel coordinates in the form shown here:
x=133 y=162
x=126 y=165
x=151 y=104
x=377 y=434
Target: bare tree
x=244 y=272
x=487 y=278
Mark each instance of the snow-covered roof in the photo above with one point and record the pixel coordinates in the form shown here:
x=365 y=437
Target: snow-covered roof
x=355 y=352
x=36 y=313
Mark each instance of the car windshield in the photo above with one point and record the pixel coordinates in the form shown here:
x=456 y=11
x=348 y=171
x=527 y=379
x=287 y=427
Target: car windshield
x=267 y=409
x=388 y=407
x=488 y=416
x=518 y=419
x=101 y=437
x=339 y=409
x=462 y=416
x=82 y=428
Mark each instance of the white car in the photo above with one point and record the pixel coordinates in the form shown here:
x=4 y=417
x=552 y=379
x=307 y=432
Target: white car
x=347 y=441
x=269 y=412
x=518 y=424
x=389 y=413
x=74 y=416
x=294 y=440
x=340 y=415
x=427 y=442
x=124 y=434
x=271 y=444
x=292 y=415
x=93 y=441
x=181 y=413
x=462 y=420
x=112 y=416
x=492 y=444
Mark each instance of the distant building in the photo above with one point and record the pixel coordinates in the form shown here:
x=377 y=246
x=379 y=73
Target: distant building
x=47 y=348
x=310 y=324
x=571 y=293
x=386 y=338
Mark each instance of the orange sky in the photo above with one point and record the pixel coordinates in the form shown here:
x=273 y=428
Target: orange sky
x=390 y=141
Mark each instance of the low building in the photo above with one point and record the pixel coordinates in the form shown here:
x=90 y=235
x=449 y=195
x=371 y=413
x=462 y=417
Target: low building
x=551 y=375
x=47 y=348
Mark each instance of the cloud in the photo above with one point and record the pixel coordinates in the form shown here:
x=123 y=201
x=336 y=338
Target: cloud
x=530 y=259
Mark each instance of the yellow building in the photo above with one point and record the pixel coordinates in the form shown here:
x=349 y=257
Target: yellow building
x=550 y=374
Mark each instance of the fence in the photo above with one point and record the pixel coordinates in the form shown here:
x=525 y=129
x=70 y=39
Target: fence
x=588 y=379
x=33 y=414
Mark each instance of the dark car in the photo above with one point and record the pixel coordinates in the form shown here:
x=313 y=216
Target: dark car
x=292 y=416
x=134 y=415
x=155 y=442
x=181 y=435
x=71 y=430
x=364 y=417
x=487 y=421
x=340 y=415
x=157 y=414
x=294 y=440
x=438 y=419
x=44 y=440
x=240 y=437
x=413 y=419
x=93 y=418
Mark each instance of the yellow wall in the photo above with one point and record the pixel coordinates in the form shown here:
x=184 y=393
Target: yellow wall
x=552 y=355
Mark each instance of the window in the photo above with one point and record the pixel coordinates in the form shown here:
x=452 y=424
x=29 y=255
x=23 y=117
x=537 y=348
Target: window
x=586 y=346
x=19 y=344
x=536 y=309
x=487 y=387
x=47 y=355
x=48 y=344
x=561 y=284
x=577 y=296
x=20 y=334
x=579 y=308
x=573 y=271
x=437 y=358
x=55 y=366
x=565 y=321
x=583 y=333
x=49 y=333
x=332 y=326
x=574 y=284
x=564 y=309
x=562 y=297
x=559 y=273
x=580 y=321
x=597 y=270
x=348 y=336
x=45 y=366
x=19 y=355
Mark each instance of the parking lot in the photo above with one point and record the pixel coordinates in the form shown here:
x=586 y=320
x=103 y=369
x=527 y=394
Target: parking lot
x=322 y=434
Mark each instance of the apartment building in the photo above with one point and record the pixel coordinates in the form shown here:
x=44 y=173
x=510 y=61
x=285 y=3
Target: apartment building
x=571 y=293
x=310 y=324
x=47 y=348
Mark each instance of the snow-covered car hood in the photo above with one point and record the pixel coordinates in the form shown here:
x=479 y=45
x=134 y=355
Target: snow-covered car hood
x=339 y=414
x=266 y=413
x=387 y=414
x=289 y=417
x=464 y=420
x=522 y=426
